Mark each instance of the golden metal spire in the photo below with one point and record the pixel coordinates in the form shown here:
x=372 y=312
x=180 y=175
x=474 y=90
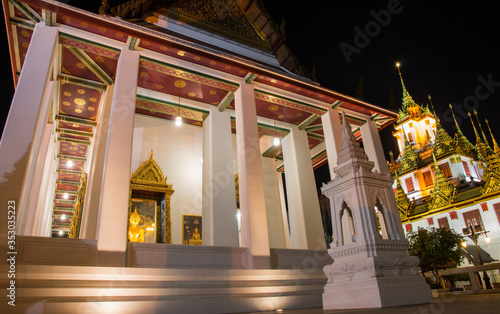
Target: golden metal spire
x=495 y=145
x=478 y=139
x=481 y=128
x=454 y=119
x=433 y=111
x=463 y=144
x=407 y=100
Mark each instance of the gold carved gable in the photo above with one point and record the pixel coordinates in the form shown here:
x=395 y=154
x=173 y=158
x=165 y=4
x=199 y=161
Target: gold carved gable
x=150 y=177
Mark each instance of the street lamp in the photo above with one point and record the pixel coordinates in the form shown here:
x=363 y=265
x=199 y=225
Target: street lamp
x=472 y=234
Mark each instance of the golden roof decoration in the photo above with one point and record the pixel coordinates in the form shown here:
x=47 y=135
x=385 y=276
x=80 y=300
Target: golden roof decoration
x=481 y=147
x=149 y=174
x=485 y=140
x=410 y=158
x=409 y=106
x=443 y=144
x=405 y=206
x=495 y=145
x=462 y=144
x=443 y=193
x=491 y=176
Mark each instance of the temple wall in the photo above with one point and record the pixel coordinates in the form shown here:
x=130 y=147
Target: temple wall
x=178 y=152
x=490 y=219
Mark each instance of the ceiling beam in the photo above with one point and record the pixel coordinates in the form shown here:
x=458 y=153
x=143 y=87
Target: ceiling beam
x=308 y=121
x=31 y=14
x=81 y=82
x=91 y=65
x=226 y=101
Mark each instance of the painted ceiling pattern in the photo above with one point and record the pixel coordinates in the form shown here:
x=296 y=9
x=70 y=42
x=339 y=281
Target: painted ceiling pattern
x=86 y=68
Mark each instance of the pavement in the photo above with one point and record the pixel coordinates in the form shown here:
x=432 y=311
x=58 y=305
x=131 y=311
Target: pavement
x=445 y=303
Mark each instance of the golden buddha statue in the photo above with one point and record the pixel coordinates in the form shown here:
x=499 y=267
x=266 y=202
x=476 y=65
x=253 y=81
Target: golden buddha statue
x=135 y=233
x=196 y=238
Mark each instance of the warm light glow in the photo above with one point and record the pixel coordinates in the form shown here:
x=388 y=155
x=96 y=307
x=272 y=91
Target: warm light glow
x=487 y=239
x=276 y=141
x=279 y=310
x=63 y=217
x=69 y=164
x=398 y=64
x=60 y=232
x=178 y=121
x=65 y=196
x=464 y=244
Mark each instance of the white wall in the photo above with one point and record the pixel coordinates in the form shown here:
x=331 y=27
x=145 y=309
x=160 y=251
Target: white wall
x=490 y=221
x=178 y=151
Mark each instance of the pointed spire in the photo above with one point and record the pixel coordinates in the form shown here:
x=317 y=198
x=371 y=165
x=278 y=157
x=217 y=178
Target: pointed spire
x=351 y=155
x=408 y=102
x=443 y=192
x=433 y=111
x=443 y=143
x=495 y=145
x=482 y=150
x=478 y=139
x=462 y=143
x=436 y=167
x=481 y=128
x=454 y=119
x=405 y=92
x=405 y=206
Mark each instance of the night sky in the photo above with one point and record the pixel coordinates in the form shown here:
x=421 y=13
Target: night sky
x=449 y=50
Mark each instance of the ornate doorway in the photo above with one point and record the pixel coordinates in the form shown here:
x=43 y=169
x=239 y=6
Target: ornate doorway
x=149 y=210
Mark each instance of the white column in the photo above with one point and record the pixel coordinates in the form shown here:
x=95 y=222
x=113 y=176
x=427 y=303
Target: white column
x=220 y=225
x=275 y=224
x=24 y=129
x=332 y=128
x=113 y=213
x=304 y=213
x=90 y=214
x=254 y=233
x=279 y=178
x=38 y=205
x=373 y=146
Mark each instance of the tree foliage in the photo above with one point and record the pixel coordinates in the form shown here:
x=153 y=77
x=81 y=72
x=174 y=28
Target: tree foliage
x=436 y=248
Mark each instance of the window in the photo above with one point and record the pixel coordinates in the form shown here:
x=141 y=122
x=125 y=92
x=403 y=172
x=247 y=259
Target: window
x=409 y=184
x=466 y=168
x=497 y=210
x=445 y=169
x=473 y=218
x=410 y=138
x=443 y=223
x=428 y=178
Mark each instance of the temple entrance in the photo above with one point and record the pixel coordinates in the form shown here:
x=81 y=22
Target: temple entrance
x=149 y=210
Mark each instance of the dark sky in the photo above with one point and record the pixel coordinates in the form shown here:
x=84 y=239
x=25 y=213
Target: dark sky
x=446 y=49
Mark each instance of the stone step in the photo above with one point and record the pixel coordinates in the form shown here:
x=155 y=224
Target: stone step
x=74 y=289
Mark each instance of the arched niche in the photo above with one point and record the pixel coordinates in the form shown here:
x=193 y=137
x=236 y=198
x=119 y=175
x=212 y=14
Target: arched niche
x=347 y=225
x=381 y=219
x=150 y=196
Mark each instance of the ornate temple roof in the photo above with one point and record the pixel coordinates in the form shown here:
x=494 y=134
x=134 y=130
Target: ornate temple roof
x=445 y=193
x=410 y=109
x=243 y=21
x=463 y=145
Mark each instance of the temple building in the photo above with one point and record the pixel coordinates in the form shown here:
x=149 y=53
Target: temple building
x=443 y=180
x=160 y=155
